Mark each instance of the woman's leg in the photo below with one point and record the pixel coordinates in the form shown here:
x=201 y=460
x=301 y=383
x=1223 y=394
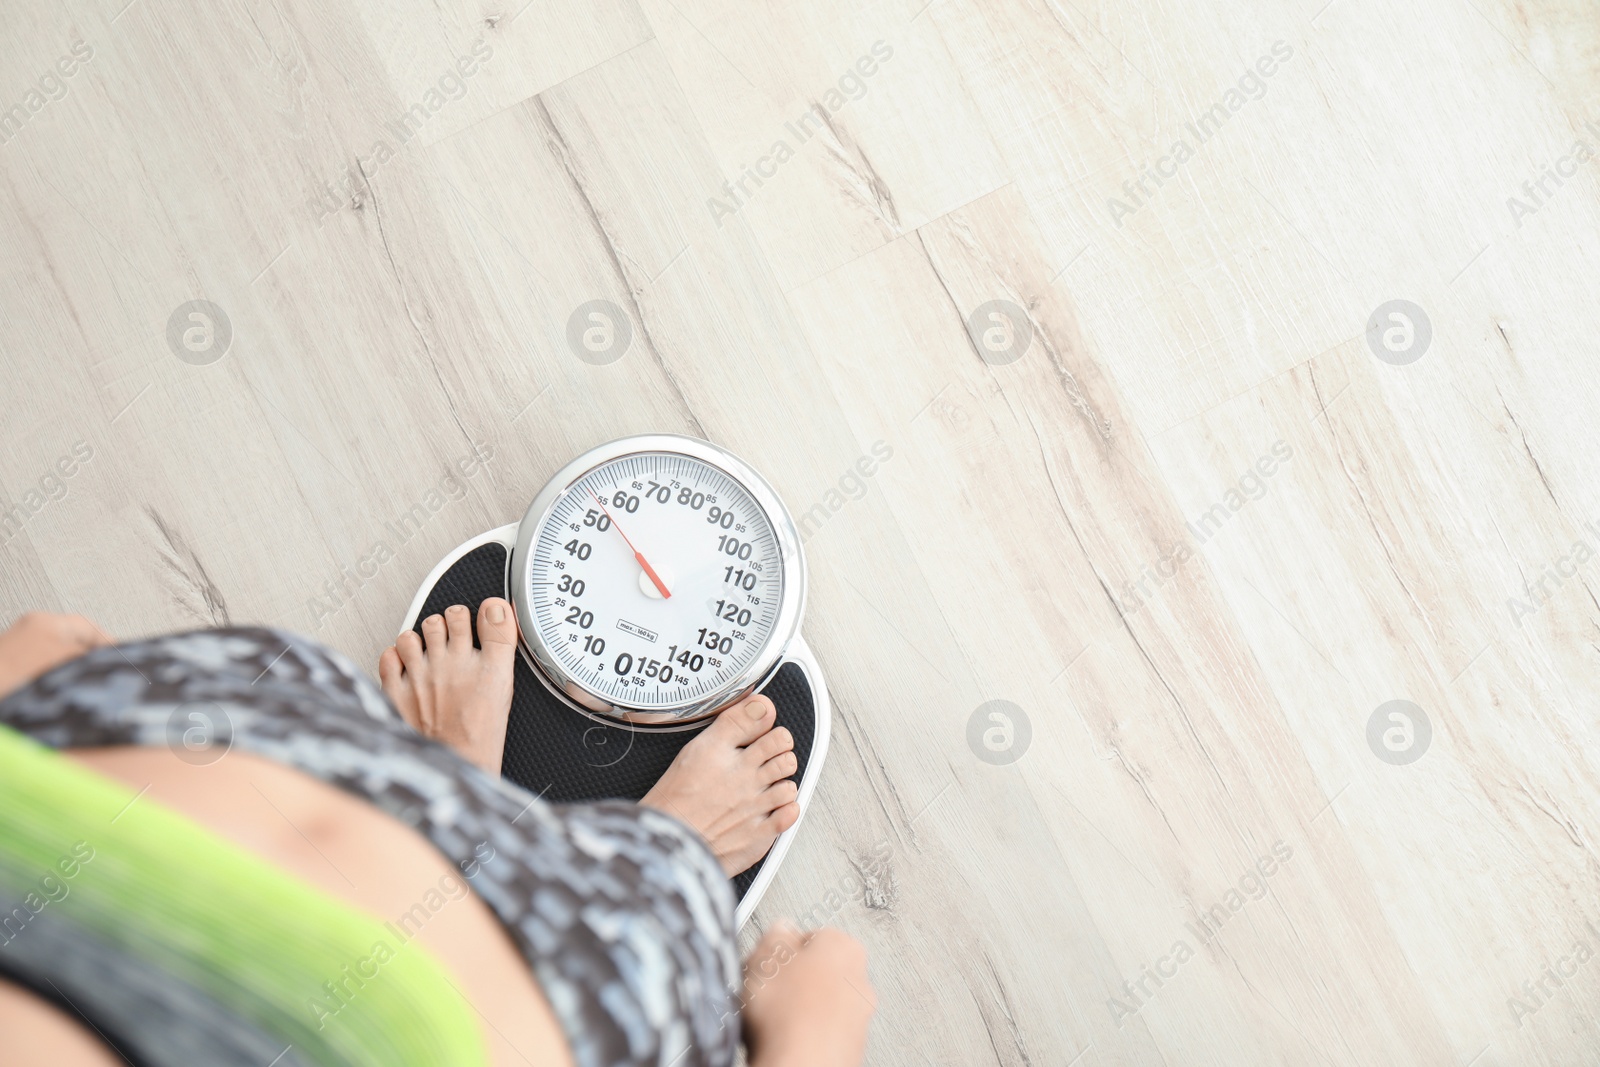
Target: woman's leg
x=731 y=783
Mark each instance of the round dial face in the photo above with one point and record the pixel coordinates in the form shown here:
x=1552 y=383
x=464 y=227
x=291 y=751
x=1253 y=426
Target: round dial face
x=654 y=580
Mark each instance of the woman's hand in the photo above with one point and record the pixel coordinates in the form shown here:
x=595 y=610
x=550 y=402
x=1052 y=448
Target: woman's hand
x=807 y=999
x=41 y=640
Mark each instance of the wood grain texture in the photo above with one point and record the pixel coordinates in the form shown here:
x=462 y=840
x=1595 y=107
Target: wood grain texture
x=1197 y=532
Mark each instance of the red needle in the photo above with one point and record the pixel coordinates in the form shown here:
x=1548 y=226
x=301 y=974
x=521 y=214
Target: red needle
x=648 y=570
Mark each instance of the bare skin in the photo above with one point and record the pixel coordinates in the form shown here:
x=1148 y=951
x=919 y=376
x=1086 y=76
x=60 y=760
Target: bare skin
x=792 y=982
x=807 y=997
x=354 y=852
x=39 y=1032
x=40 y=641
x=450 y=691
x=730 y=783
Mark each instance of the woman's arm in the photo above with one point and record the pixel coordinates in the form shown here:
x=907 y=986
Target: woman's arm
x=39 y=641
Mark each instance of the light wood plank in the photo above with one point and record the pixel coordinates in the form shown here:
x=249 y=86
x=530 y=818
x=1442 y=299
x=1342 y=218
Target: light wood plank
x=1430 y=535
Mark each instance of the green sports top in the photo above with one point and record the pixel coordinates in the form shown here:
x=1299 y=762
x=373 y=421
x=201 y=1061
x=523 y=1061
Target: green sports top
x=189 y=949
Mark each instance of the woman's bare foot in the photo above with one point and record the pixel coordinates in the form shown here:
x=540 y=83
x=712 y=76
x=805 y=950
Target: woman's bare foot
x=450 y=691
x=731 y=784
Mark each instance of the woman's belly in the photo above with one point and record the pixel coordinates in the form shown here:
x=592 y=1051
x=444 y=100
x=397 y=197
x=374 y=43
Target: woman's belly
x=349 y=850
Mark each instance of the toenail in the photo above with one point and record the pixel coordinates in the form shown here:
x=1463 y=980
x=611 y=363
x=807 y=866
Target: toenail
x=755 y=708
x=497 y=611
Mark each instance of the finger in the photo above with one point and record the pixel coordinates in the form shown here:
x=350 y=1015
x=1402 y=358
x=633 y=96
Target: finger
x=781 y=935
x=433 y=633
x=458 y=624
x=841 y=945
x=79 y=631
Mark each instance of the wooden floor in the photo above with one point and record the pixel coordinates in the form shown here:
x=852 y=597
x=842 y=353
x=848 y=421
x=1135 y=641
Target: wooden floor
x=1097 y=275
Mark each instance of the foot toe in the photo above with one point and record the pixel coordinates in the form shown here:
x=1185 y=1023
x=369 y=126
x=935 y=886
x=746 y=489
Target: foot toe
x=409 y=647
x=746 y=721
x=433 y=632
x=412 y=655
x=775 y=741
x=778 y=794
x=497 y=626
x=783 y=818
x=397 y=683
x=390 y=667
x=780 y=767
x=458 y=625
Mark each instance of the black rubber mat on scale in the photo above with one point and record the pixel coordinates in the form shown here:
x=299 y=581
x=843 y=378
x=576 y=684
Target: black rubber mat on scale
x=570 y=758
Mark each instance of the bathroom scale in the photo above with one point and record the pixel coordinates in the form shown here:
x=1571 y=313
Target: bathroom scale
x=657 y=579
